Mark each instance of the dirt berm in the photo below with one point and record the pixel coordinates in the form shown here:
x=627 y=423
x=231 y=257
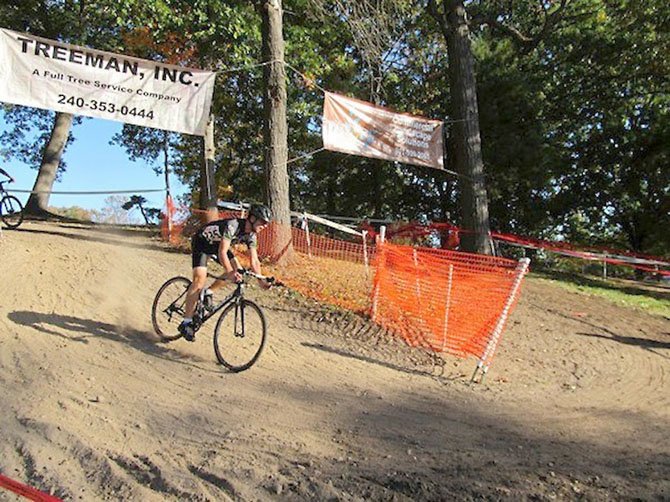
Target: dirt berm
x=93 y=407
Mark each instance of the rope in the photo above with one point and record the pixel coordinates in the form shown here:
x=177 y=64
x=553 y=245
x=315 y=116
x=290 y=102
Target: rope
x=90 y=193
x=305 y=77
x=306 y=155
x=310 y=81
x=249 y=66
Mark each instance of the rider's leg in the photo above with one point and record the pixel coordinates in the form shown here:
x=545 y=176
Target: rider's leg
x=199 y=279
x=219 y=283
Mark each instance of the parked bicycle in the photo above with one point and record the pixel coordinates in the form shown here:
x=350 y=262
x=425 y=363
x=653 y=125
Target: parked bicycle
x=239 y=335
x=11 y=210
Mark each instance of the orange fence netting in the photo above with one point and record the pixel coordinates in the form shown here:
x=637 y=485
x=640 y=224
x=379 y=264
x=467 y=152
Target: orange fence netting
x=439 y=300
x=445 y=300
x=329 y=270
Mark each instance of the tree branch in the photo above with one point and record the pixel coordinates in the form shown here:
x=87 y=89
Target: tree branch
x=528 y=42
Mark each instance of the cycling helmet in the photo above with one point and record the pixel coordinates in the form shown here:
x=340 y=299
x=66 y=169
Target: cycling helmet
x=260 y=212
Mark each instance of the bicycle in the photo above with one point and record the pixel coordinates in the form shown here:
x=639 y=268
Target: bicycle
x=11 y=210
x=248 y=328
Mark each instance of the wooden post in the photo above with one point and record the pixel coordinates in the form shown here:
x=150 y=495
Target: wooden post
x=208 y=194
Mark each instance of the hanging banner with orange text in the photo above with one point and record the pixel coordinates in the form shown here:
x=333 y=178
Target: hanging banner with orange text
x=361 y=128
x=44 y=73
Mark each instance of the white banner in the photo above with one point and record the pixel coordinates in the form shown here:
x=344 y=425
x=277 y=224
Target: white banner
x=67 y=78
x=361 y=128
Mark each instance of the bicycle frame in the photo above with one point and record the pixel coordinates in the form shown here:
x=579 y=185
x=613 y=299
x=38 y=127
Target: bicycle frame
x=202 y=314
x=235 y=296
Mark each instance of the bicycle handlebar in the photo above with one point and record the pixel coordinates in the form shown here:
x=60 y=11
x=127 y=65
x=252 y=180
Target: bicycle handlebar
x=244 y=271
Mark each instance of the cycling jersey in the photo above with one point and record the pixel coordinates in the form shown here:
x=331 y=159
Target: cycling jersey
x=207 y=240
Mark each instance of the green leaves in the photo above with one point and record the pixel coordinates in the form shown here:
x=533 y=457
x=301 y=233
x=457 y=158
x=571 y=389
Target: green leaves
x=574 y=131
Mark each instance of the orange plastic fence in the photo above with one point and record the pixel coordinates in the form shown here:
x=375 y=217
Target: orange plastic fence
x=445 y=300
x=442 y=301
x=330 y=270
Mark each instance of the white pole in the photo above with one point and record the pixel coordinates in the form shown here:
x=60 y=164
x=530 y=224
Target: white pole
x=446 y=311
x=521 y=269
x=365 y=251
x=309 y=244
x=382 y=234
x=380 y=270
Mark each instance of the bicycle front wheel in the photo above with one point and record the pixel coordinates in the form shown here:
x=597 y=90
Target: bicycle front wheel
x=11 y=211
x=168 y=309
x=239 y=336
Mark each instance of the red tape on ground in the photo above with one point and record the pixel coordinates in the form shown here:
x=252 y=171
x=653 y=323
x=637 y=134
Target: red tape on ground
x=26 y=491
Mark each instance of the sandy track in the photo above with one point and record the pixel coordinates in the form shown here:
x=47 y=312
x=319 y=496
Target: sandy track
x=576 y=403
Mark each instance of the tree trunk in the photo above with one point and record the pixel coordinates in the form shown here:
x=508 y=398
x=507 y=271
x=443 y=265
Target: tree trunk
x=466 y=139
x=275 y=126
x=38 y=203
x=377 y=190
x=208 y=196
x=144 y=214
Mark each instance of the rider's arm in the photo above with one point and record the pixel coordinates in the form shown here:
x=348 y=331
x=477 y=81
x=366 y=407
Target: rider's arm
x=231 y=273
x=2 y=171
x=255 y=262
x=256 y=267
x=233 y=261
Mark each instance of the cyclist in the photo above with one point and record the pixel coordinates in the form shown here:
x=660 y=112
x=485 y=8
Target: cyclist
x=5 y=173
x=215 y=238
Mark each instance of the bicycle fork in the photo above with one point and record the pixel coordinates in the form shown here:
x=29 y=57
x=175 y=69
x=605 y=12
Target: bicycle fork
x=239 y=313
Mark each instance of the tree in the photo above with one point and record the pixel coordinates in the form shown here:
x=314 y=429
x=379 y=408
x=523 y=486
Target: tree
x=79 y=22
x=456 y=23
x=466 y=138
x=112 y=212
x=149 y=214
x=212 y=35
x=38 y=202
x=382 y=63
x=274 y=125
x=609 y=87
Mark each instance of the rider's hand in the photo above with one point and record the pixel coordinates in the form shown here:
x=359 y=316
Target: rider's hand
x=234 y=276
x=11 y=180
x=264 y=284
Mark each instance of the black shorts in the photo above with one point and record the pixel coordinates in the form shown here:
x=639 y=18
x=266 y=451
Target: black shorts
x=201 y=251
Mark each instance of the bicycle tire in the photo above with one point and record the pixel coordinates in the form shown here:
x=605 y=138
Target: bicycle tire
x=10 y=217
x=167 y=315
x=229 y=342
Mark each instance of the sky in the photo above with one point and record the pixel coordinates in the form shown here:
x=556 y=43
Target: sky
x=94 y=165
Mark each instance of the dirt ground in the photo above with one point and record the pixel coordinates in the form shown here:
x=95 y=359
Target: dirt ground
x=576 y=405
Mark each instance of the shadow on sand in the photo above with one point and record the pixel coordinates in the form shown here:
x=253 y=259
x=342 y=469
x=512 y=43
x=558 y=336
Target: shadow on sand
x=116 y=239
x=80 y=330
x=436 y=371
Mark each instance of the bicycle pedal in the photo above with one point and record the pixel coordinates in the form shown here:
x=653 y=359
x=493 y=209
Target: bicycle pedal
x=187 y=331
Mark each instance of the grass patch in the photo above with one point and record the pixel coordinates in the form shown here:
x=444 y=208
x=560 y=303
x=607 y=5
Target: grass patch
x=652 y=297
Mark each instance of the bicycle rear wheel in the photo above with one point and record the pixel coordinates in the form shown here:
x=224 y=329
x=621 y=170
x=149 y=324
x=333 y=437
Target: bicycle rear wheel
x=11 y=211
x=167 y=311
x=239 y=336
